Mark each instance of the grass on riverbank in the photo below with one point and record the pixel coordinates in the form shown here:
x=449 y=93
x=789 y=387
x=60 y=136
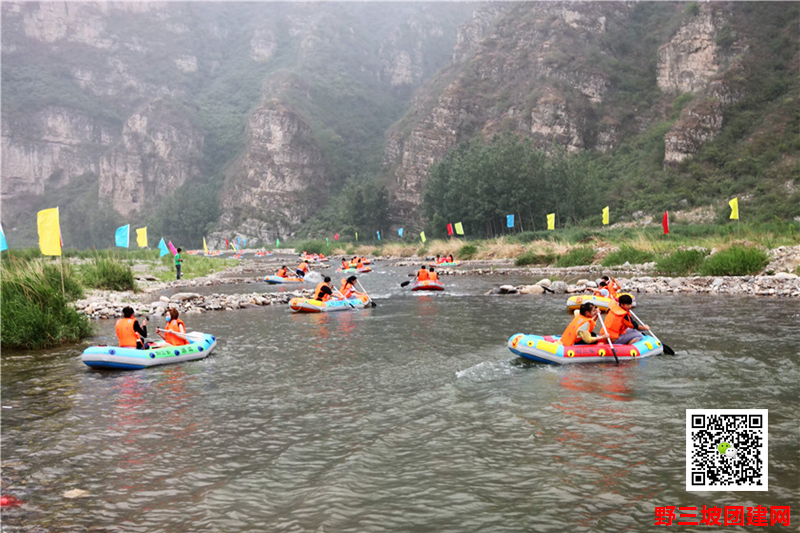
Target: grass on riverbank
x=35 y=312
x=626 y=244
x=193 y=266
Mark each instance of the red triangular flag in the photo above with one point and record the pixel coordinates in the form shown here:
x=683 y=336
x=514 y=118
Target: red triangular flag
x=665 y=222
x=449 y=229
x=336 y=237
x=226 y=244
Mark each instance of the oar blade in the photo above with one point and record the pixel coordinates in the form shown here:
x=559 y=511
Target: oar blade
x=667 y=349
x=405 y=284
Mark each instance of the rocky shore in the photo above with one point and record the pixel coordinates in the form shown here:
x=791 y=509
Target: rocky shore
x=779 y=285
x=776 y=282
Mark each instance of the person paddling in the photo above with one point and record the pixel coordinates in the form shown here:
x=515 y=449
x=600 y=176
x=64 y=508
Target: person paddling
x=422 y=275
x=129 y=333
x=302 y=269
x=621 y=327
x=432 y=275
x=348 y=289
x=174 y=325
x=579 y=331
x=283 y=272
x=323 y=291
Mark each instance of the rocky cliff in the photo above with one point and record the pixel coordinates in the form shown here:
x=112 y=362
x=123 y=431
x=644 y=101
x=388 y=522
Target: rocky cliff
x=515 y=67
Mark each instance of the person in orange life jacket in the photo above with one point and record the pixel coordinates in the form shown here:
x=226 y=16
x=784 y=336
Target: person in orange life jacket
x=601 y=290
x=283 y=272
x=323 y=291
x=438 y=259
x=345 y=265
x=174 y=324
x=621 y=326
x=302 y=269
x=129 y=332
x=432 y=275
x=579 y=331
x=348 y=289
x=450 y=258
x=359 y=264
x=422 y=275
x=612 y=286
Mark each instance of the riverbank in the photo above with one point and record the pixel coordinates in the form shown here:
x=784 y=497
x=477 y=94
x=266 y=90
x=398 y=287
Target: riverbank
x=157 y=296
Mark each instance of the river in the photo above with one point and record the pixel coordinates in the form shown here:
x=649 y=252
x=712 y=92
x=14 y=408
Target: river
x=410 y=416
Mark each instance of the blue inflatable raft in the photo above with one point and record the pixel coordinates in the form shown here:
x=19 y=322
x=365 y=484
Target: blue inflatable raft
x=114 y=357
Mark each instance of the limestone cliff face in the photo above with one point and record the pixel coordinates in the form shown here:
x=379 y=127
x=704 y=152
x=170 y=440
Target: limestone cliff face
x=136 y=160
x=691 y=59
x=692 y=62
x=279 y=181
x=515 y=67
x=158 y=151
x=59 y=143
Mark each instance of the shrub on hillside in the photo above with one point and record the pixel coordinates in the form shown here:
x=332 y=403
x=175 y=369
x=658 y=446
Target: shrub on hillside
x=532 y=257
x=467 y=251
x=628 y=254
x=735 y=261
x=583 y=255
x=34 y=309
x=681 y=262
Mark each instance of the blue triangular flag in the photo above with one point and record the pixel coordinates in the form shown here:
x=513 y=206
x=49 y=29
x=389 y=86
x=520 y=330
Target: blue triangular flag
x=510 y=221
x=244 y=241
x=3 y=243
x=121 y=237
x=379 y=234
x=400 y=232
x=162 y=246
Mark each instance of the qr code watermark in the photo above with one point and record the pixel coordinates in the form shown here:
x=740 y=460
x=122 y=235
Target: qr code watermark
x=726 y=449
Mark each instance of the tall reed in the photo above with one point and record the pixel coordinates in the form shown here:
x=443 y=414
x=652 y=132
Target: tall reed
x=35 y=312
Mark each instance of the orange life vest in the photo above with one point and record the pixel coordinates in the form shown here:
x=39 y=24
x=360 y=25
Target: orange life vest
x=347 y=289
x=613 y=288
x=618 y=320
x=570 y=335
x=423 y=275
x=283 y=273
x=318 y=295
x=360 y=265
x=180 y=327
x=433 y=276
x=125 y=333
x=303 y=267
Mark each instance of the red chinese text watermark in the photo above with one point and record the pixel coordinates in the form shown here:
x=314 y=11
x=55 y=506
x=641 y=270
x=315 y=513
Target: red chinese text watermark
x=723 y=516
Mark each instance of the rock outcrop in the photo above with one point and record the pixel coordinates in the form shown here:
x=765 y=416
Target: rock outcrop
x=281 y=178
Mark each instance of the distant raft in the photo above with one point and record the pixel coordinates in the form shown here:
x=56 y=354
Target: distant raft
x=361 y=270
x=310 y=305
x=116 y=358
x=278 y=279
x=427 y=285
x=547 y=350
x=445 y=264
x=601 y=302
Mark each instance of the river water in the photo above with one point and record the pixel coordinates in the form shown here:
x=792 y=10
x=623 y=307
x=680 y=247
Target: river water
x=411 y=416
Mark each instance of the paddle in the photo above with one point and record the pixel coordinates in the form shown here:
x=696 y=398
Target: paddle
x=667 y=349
x=345 y=300
x=405 y=283
x=614 y=353
x=191 y=336
x=360 y=286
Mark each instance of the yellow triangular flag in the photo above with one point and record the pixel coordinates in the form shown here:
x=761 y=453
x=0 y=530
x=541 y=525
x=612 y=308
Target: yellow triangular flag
x=141 y=237
x=49 y=231
x=422 y=236
x=734 y=208
x=459 y=229
x=551 y=221
x=204 y=246
x=605 y=215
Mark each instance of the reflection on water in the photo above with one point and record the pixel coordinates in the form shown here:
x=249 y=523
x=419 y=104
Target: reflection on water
x=411 y=416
